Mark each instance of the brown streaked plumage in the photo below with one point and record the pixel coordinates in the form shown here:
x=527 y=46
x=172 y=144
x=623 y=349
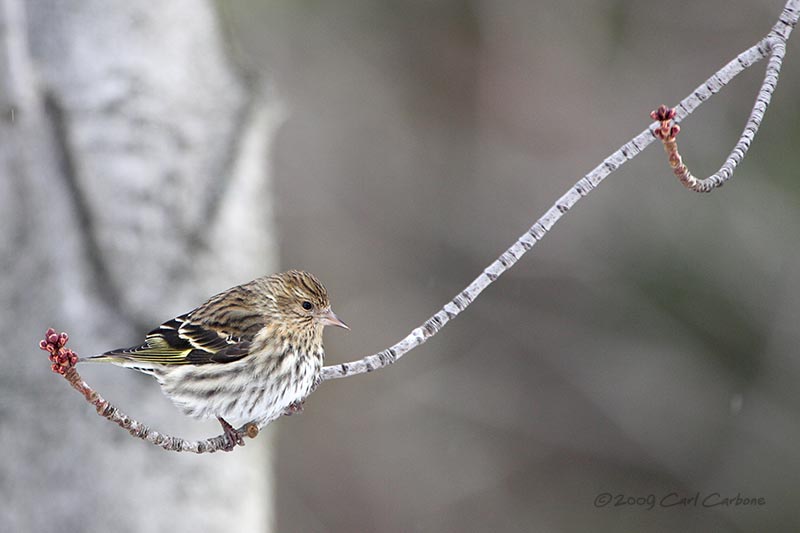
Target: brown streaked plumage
x=247 y=354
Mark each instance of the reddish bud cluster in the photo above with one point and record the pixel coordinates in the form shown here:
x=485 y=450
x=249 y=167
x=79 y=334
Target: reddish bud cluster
x=663 y=113
x=62 y=358
x=666 y=131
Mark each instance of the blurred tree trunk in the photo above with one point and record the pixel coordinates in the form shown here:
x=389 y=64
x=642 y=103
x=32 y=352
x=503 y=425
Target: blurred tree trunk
x=133 y=161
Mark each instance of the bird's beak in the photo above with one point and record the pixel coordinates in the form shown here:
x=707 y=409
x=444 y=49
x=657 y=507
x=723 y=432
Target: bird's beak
x=329 y=318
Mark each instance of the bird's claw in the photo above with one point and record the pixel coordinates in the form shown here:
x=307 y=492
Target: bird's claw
x=295 y=407
x=233 y=436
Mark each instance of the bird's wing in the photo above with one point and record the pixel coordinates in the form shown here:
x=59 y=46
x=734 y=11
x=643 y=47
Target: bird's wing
x=183 y=340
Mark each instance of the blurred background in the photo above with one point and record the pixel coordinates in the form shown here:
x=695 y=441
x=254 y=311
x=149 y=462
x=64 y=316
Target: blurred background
x=648 y=345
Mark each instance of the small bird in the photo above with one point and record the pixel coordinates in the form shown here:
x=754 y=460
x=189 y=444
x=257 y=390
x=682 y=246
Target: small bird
x=248 y=354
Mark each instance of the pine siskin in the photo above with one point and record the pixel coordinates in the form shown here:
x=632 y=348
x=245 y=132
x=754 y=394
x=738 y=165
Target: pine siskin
x=247 y=354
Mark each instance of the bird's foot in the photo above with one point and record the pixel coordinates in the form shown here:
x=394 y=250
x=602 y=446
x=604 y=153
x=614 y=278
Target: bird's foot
x=234 y=437
x=295 y=407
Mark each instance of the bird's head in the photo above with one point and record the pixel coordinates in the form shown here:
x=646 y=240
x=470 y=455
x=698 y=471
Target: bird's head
x=301 y=303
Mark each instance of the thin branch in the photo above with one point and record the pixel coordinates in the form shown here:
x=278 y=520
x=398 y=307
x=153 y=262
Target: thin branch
x=668 y=132
x=774 y=43
x=137 y=429
x=64 y=361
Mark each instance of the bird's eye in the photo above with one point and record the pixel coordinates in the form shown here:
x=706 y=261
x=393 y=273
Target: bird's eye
x=307 y=305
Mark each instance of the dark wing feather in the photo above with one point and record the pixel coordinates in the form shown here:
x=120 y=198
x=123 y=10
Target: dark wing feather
x=182 y=341
x=219 y=331
x=233 y=352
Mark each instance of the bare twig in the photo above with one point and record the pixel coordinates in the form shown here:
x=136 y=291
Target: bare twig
x=668 y=132
x=774 y=44
x=64 y=361
x=137 y=429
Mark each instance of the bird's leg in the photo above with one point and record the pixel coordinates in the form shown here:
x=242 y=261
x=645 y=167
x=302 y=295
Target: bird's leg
x=295 y=407
x=234 y=437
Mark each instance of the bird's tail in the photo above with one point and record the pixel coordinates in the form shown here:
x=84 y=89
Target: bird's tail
x=102 y=358
x=121 y=360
